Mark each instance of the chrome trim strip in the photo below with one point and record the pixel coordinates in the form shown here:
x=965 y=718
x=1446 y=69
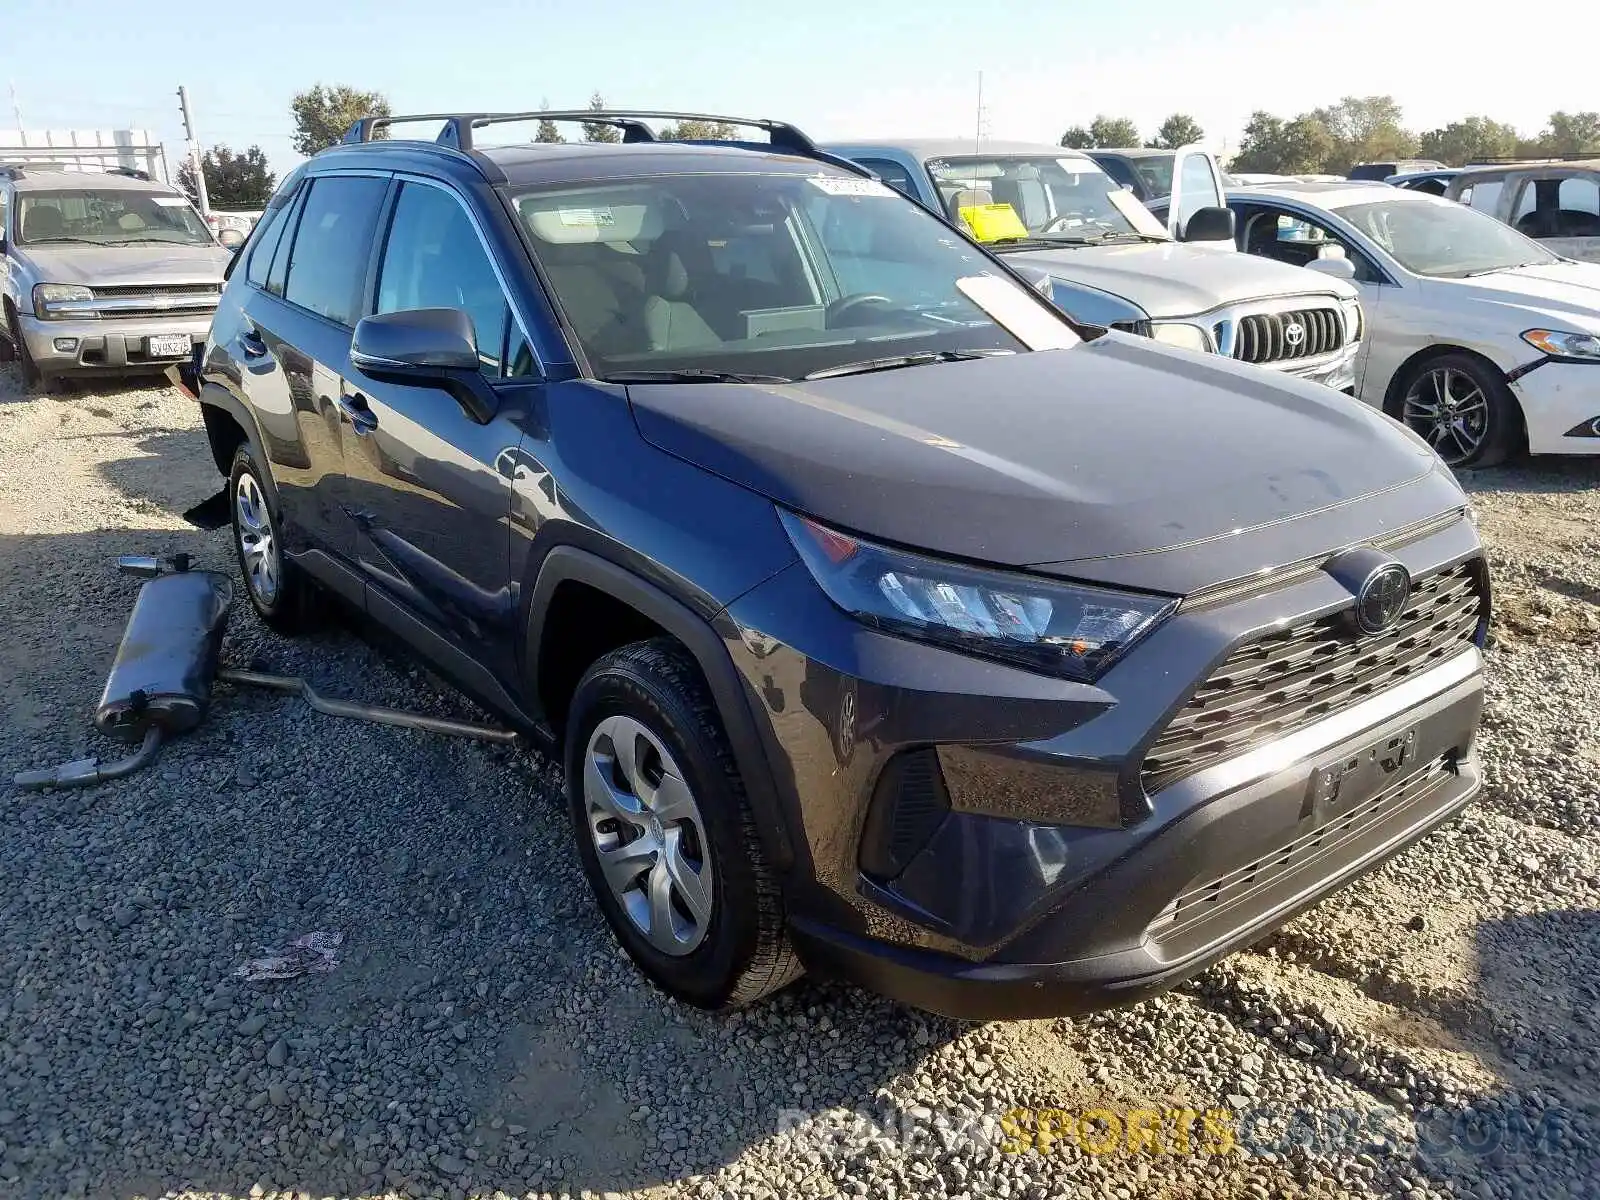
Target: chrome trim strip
x=1268 y=760
x=114 y=305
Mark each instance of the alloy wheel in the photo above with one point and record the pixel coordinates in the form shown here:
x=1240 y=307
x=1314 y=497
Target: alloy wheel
x=258 y=542
x=1450 y=411
x=649 y=836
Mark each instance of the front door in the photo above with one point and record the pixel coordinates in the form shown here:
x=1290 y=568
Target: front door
x=428 y=488
x=1196 y=184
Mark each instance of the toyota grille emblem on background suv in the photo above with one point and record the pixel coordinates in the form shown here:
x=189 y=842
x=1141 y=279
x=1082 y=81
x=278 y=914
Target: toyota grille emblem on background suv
x=1294 y=333
x=1383 y=598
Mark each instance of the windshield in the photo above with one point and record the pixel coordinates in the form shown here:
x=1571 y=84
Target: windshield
x=108 y=217
x=1442 y=238
x=776 y=276
x=1067 y=198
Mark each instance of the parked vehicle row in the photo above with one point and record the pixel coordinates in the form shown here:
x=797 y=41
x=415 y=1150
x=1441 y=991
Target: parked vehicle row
x=888 y=621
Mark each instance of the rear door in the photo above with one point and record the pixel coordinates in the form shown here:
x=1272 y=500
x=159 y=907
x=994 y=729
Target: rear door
x=1196 y=184
x=307 y=275
x=1561 y=210
x=429 y=486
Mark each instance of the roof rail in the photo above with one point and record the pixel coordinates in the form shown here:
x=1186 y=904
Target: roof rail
x=1532 y=159
x=458 y=127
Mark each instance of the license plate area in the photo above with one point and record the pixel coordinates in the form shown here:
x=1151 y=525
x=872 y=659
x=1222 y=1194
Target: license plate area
x=1335 y=789
x=167 y=345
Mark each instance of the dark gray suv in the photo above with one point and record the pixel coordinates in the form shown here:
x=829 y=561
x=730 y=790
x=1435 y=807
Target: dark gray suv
x=887 y=623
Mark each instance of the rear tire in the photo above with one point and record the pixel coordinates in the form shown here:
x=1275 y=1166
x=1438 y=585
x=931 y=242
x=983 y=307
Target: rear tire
x=1462 y=407
x=652 y=787
x=282 y=595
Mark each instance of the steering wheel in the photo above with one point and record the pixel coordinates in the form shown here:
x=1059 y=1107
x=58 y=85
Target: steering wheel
x=835 y=312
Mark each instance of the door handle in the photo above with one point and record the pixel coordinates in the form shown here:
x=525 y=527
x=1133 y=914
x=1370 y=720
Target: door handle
x=253 y=346
x=354 y=407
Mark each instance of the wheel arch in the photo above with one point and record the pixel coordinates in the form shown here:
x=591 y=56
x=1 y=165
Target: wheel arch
x=1401 y=379
x=568 y=577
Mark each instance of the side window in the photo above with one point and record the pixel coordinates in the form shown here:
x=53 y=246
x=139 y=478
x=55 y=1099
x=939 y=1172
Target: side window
x=1120 y=171
x=266 y=245
x=1578 y=207
x=1198 y=189
x=327 y=264
x=279 y=270
x=1526 y=212
x=3 y=207
x=1484 y=195
x=434 y=259
x=892 y=173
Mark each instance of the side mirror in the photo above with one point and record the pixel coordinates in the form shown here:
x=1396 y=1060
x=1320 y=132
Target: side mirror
x=231 y=238
x=425 y=347
x=1210 y=225
x=1335 y=265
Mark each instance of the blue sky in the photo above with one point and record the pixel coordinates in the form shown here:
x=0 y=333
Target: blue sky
x=837 y=68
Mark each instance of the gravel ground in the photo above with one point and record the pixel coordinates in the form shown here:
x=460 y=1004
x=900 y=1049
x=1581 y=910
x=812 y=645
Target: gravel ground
x=1431 y=1030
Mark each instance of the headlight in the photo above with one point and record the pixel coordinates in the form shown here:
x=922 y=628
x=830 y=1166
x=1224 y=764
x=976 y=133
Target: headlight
x=1352 y=320
x=54 y=293
x=1055 y=628
x=1553 y=342
x=1185 y=337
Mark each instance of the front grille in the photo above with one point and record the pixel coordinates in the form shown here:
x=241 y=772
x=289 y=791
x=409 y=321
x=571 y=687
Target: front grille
x=1269 y=337
x=166 y=289
x=1285 y=681
x=1317 y=854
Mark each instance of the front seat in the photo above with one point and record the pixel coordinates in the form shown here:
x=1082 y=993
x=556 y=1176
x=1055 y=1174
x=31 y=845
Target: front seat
x=673 y=268
x=44 y=221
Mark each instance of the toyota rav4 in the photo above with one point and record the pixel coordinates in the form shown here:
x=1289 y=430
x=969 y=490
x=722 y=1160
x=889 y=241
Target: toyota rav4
x=885 y=622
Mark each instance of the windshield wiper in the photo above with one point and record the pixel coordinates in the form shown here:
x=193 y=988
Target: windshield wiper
x=157 y=240
x=691 y=375
x=921 y=359
x=65 y=237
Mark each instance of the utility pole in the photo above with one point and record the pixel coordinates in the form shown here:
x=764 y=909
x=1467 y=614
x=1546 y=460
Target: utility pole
x=977 y=137
x=195 y=163
x=16 y=106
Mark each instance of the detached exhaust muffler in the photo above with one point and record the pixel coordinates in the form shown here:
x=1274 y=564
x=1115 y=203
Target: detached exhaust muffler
x=160 y=681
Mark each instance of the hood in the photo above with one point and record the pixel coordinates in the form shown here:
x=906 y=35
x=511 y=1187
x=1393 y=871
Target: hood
x=1565 y=291
x=1114 y=447
x=106 y=266
x=1171 y=279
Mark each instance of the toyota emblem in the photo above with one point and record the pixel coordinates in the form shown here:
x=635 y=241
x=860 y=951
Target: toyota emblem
x=1294 y=333
x=1383 y=598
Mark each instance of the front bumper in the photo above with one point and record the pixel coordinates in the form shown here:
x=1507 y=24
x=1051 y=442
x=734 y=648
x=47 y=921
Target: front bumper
x=109 y=345
x=1214 y=881
x=1028 y=865
x=1561 y=406
x=1337 y=372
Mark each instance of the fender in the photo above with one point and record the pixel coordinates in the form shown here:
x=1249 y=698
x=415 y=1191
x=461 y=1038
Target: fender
x=217 y=396
x=564 y=563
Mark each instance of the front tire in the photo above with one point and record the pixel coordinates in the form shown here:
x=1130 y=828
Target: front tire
x=666 y=834
x=32 y=377
x=279 y=591
x=1462 y=407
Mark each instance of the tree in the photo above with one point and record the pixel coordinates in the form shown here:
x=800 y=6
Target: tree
x=1180 y=129
x=1364 y=129
x=1572 y=133
x=323 y=114
x=233 y=181
x=547 y=129
x=1471 y=139
x=593 y=132
x=1103 y=131
x=1273 y=146
x=698 y=131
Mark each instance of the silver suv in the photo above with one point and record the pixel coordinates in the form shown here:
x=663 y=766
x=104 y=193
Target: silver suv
x=102 y=272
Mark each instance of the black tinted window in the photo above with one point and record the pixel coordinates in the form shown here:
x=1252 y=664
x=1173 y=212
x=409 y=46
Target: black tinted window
x=433 y=259
x=266 y=243
x=331 y=245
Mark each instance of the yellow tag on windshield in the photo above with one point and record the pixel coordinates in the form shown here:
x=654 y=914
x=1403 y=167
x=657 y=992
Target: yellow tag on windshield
x=990 y=222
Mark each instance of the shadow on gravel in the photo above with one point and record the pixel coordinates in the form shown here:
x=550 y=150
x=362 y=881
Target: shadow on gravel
x=481 y=1030
x=1546 y=473
x=168 y=468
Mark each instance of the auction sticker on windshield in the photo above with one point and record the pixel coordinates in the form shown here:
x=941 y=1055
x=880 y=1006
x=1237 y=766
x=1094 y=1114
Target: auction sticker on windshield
x=836 y=186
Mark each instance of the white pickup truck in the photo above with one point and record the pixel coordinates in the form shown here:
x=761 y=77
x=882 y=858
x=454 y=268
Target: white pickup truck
x=1089 y=243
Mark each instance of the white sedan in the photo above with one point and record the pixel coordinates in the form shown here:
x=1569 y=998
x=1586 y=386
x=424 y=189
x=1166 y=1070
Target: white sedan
x=1481 y=340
